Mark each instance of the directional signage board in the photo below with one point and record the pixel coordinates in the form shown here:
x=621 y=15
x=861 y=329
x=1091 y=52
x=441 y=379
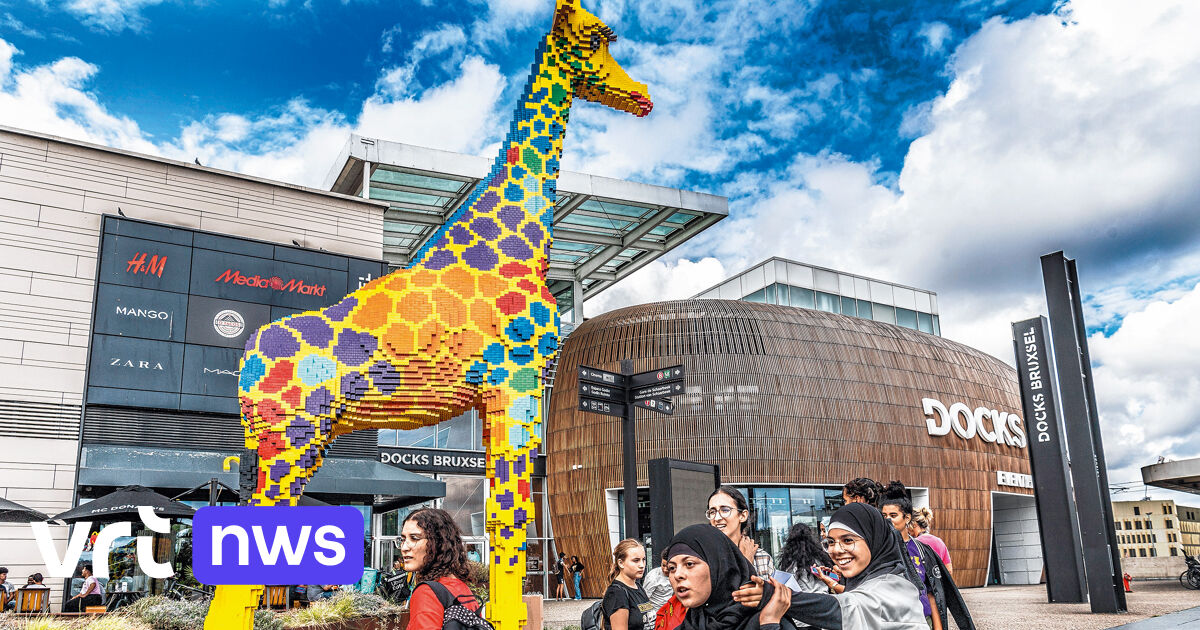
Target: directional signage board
x=603 y=392
x=604 y=407
x=665 y=375
x=657 y=390
x=600 y=376
x=657 y=404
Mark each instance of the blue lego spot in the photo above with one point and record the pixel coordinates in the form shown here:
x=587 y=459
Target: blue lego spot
x=539 y=125
x=521 y=329
x=513 y=192
x=557 y=322
x=534 y=205
x=497 y=376
x=494 y=354
x=556 y=129
x=475 y=374
x=548 y=111
x=541 y=143
x=522 y=355
x=518 y=171
x=540 y=313
x=253 y=369
x=315 y=369
x=548 y=344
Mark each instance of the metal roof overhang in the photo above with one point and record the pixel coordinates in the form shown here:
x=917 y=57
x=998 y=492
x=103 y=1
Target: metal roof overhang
x=1183 y=475
x=604 y=228
x=103 y=465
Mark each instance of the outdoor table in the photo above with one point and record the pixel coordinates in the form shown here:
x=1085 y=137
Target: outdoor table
x=118 y=599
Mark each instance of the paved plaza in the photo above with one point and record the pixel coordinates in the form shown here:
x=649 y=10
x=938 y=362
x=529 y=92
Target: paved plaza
x=1010 y=607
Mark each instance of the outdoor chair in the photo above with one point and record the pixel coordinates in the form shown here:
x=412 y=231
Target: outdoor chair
x=33 y=600
x=275 y=597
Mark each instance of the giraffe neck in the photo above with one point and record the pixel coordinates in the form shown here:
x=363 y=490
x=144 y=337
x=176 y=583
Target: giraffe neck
x=509 y=215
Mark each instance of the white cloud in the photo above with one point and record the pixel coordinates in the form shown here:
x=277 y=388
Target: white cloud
x=935 y=35
x=1148 y=385
x=665 y=280
x=399 y=80
x=111 y=15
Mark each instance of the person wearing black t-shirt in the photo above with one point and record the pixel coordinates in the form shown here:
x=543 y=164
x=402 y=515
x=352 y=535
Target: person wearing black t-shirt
x=626 y=605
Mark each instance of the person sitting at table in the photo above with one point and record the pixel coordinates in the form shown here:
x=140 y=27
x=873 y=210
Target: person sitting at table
x=90 y=594
x=7 y=589
x=34 y=583
x=322 y=591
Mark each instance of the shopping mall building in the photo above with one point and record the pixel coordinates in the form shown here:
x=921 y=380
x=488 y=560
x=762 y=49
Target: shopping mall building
x=128 y=283
x=799 y=379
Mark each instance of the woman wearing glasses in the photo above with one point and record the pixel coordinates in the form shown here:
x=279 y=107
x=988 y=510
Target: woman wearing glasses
x=877 y=596
x=729 y=512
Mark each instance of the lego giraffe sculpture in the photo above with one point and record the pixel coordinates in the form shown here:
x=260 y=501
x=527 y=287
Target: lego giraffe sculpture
x=470 y=325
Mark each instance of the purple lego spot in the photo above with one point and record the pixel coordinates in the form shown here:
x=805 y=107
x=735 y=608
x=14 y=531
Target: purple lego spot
x=277 y=342
x=505 y=499
x=533 y=232
x=501 y=470
x=327 y=424
x=279 y=469
x=339 y=311
x=272 y=492
x=501 y=175
x=486 y=228
x=440 y=260
x=519 y=517
x=385 y=377
x=317 y=403
x=460 y=234
x=355 y=386
x=300 y=431
x=488 y=201
x=354 y=348
x=519 y=466
x=481 y=257
x=511 y=217
x=296 y=487
x=515 y=247
x=313 y=330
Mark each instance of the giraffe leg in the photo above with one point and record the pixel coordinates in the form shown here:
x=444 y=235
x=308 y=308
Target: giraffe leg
x=512 y=432
x=278 y=461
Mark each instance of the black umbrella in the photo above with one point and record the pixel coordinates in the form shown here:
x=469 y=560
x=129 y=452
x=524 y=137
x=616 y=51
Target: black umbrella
x=16 y=513
x=123 y=504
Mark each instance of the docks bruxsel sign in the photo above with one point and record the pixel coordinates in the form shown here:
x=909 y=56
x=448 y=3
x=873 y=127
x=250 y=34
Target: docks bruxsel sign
x=989 y=425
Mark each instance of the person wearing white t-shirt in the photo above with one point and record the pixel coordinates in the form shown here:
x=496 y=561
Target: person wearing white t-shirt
x=90 y=594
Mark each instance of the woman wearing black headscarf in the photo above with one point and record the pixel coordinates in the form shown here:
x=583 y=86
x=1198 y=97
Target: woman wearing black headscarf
x=878 y=594
x=705 y=568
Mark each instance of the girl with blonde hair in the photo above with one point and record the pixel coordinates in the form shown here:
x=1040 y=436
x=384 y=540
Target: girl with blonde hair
x=919 y=528
x=626 y=606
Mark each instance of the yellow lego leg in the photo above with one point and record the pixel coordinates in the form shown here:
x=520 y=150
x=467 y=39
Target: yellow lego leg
x=233 y=608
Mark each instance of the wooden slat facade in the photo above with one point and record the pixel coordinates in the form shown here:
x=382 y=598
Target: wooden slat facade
x=782 y=395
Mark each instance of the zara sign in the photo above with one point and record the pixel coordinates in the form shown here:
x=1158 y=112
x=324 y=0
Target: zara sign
x=967 y=423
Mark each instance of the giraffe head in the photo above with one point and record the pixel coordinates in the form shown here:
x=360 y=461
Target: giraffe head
x=583 y=41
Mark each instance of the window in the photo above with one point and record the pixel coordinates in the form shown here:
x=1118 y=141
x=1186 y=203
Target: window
x=1167 y=508
x=848 y=306
x=1128 y=525
x=1149 y=525
x=758 y=296
x=1142 y=553
x=1174 y=551
x=1137 y=511
x=906 y=318
x=937 y=326
x=1153 y=552
x=1138 y=524
x=828 y=302
x=1117 y=524
x=770 y=294
x=864 y=309
x=925 y=322
x=1170 y=524
x=883 y=313
x=802 y=297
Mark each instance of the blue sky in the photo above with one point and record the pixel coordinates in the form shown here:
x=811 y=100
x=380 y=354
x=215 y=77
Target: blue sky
x=945 y=145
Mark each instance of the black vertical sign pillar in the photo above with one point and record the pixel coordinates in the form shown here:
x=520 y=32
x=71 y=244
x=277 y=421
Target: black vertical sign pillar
x=1069 y=338
x=629 y=457
x=1058 y=522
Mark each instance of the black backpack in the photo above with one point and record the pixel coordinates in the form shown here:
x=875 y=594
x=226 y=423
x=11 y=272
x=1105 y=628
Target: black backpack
x=456 y=615
x=593 y=617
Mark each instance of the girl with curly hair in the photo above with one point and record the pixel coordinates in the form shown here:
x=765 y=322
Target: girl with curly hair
x=431 y=547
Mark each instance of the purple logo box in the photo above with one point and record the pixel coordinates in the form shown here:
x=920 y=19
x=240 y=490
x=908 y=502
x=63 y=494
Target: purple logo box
x=277 y=545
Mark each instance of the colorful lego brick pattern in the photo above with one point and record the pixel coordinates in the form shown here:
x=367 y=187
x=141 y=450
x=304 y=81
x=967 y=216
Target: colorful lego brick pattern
x=470 y=325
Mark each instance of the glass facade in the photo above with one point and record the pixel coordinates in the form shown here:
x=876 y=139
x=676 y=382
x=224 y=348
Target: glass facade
x=788 y=283
x=463 y=433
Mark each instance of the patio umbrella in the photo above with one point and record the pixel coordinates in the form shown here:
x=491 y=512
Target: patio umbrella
x=16 y=513
x=122 y=504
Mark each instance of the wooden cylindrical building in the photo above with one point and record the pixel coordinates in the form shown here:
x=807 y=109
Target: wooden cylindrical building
x=791 y=398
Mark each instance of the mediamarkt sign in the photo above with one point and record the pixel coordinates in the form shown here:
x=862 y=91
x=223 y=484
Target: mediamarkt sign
x=274 y=282
x=967 y=423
